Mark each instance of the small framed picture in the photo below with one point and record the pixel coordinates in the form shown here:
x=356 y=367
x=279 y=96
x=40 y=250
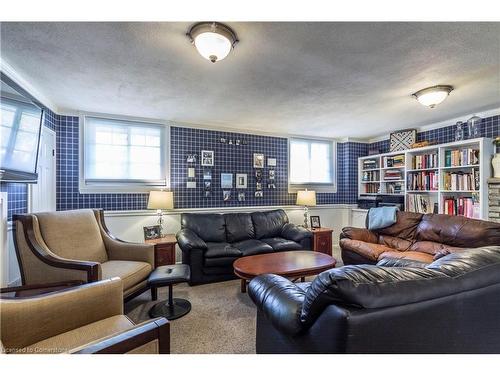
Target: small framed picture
x=207 y=158
x=207 y=174
x=207 y=184
x=151 y=232
x=241 y=197
x=271 y=162
x=226 y=195
x=272 y=174
x=241 y=181
x=271 y=186
x=258 y=186
x=258 y=175
x=259 y=194
x=315 y=223
x=190 y=184
x=226 y=180
x=258 y=160
x=191 y=173
x=191 y=158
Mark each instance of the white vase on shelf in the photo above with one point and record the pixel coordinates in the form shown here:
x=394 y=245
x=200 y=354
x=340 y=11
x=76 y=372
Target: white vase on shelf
x=496 y=165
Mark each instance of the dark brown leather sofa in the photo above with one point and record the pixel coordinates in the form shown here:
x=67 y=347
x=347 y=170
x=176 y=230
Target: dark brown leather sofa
x=417 y=237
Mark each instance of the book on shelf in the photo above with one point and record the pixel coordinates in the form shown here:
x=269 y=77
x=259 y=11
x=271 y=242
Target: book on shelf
x=394 y=188
x=419 y=203
x=393 y=174
x=370 y=176
x=370 y=164
x=397 y=161
x=461 y=180
x=462 y=206
x=372 y=188
x=425 y=161
x=461 y=157
x=425 y=180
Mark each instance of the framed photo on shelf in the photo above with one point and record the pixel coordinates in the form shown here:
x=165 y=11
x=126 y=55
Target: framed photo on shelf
x=241 y=181
x=226 y=194
x=258 y=160
x=315 y=222
x=151 y=232
x=207 y=158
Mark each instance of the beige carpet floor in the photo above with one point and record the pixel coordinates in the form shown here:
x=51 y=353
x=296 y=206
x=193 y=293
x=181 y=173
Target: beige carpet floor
x=222 y=320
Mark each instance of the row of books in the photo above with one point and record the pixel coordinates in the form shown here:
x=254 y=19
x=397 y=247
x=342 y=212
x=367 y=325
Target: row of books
x=461 y=180
x=372 y=188
x=425 y=161
x=423 y=180
x=370 y=176
x=394 y=161
x=393 y=174
x=420 y=203
x=394 y=187
x=464 y=156
x=464 y=206
x=370 y=164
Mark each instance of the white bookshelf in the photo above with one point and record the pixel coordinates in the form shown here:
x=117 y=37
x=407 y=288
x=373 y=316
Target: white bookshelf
x=438 y=195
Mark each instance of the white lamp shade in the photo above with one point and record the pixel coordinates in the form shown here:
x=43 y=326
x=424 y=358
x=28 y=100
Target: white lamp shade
x=432 y=96
x=161 y=200
x=212 y=46
x=306 y=198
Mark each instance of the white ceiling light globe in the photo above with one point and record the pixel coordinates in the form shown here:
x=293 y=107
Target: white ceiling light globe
x=432 y=96
x=212 y=46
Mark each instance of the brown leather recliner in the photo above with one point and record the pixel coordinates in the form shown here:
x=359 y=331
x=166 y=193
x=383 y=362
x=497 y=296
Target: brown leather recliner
x=417 y=237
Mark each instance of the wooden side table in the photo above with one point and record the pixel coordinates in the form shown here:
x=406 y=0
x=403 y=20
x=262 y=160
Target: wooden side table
x=164 y=250
x=322 y=240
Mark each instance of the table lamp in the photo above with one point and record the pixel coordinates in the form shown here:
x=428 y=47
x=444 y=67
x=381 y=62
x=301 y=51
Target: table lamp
x=307 y=199
x=159 y=201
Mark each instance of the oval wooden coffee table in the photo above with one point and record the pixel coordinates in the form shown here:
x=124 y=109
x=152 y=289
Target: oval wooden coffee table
x=290 y=264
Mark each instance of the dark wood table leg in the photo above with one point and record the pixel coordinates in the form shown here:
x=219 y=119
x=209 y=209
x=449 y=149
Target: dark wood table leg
x=302 y=279
x=243 y=286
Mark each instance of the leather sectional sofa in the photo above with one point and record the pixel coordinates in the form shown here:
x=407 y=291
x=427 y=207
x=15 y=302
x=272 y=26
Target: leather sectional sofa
x=210 y=243
x=398 y=306
x=419 y=237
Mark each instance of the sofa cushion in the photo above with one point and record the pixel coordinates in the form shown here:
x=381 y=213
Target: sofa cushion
x=209 y=227
x=252 y=247
x=366 y=249
x=281 y=244
x=405 y=227
x=131 y=273
x=80 y=336
x=412 y=255
x=221 y=249
x=269 y=224
x=73 y=235
x=432 y=248
x=220 y=262
x=458 y=231
x=239 y=227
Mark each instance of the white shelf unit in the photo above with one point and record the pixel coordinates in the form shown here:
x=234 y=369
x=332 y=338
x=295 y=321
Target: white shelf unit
x=485 y=147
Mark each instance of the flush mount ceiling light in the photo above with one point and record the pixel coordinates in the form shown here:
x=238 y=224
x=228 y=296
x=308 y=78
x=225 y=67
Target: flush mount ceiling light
x=213 y=40
x=432 y=96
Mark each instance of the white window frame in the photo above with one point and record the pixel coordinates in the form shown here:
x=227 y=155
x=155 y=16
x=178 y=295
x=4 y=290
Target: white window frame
x=85 y=187
x=323 y=188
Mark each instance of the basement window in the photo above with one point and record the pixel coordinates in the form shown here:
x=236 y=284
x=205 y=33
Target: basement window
x=311 y=165
x=120 y=155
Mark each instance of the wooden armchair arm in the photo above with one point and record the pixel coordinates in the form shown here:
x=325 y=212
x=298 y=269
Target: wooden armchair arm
x=156 y=332
x=37 y=289
x=122 y=250
x=25 y=224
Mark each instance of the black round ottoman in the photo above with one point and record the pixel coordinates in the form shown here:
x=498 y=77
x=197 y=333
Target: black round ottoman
x=173 y=308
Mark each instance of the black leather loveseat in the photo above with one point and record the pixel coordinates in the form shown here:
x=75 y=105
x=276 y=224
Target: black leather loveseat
x=397 y=306
x=210 y=243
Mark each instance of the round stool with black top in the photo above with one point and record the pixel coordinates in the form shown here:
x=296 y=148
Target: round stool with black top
x=162 y=276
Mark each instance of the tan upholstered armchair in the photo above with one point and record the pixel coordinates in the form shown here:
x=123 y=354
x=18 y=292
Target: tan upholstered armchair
x=76 y=245
x=84 y=319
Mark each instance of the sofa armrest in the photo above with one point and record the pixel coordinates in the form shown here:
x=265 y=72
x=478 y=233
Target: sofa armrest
x=359 y=234
x=25 y=321
x=400 y=262
x=295 y=233
x=189 y=240
x=150 y=337
x=122 y=250
x=280 y=300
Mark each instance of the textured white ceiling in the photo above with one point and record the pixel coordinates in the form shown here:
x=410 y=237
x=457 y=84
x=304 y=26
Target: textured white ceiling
x=323 y=79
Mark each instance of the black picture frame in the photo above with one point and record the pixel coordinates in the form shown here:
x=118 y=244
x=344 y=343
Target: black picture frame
x=315 y=222
x=152 y=232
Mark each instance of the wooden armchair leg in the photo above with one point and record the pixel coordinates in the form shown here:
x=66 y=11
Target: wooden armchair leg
x=154 y=294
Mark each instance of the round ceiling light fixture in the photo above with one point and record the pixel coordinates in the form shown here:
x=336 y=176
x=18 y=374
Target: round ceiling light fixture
x=213 y=40
x=432 y=96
